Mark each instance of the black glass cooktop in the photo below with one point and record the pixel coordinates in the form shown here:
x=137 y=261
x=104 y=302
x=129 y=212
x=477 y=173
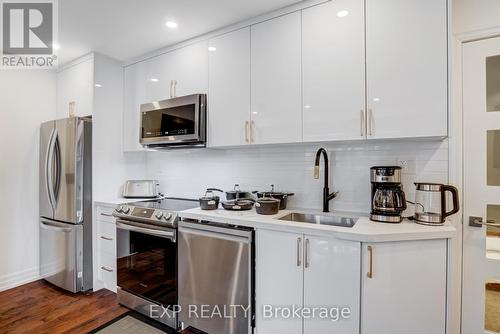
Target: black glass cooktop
x=168 y=203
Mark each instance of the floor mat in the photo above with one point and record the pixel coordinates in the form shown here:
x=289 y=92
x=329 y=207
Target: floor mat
x=133 y=323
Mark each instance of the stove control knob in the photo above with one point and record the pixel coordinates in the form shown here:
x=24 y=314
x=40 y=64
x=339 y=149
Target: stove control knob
x=159 y=215
x=125 y=209
x=167 y=216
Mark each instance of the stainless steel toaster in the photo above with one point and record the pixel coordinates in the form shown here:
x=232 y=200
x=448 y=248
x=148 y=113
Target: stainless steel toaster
x=141 y=189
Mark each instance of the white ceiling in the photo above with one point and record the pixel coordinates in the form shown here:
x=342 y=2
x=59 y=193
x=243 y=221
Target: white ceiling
x=125 y=29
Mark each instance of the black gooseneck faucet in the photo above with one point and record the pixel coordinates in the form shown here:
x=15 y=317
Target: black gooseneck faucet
x=327 y=197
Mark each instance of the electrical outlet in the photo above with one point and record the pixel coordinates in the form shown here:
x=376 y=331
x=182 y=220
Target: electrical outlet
x=403 y=164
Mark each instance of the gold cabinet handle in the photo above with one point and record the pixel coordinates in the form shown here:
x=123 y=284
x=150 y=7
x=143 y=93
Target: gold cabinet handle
x=362 y=122
x=107 y=269
x=246 y=131
x=307 y=264
x=299 y=252
x=370 y=122
x=252 y=124
x=370 y=255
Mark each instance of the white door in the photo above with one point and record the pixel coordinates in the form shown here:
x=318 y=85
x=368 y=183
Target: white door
x=279 y=280
x=404 y=287
x=276 y=95
x=333 y=67
x=75 y=85
x=406 y=62
x=481 y=142
x=229 y=89
x=332 y=279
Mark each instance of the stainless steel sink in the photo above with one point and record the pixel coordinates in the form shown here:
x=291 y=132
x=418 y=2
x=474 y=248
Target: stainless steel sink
x=320 y=219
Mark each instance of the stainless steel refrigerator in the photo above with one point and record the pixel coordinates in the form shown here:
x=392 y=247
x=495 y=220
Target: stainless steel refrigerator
x=65 y=194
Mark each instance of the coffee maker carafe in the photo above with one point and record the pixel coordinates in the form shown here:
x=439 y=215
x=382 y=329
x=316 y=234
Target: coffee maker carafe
x=388 y=198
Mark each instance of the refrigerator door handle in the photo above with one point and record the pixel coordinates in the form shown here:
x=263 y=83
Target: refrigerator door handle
x=49 y=169
x=58 y=167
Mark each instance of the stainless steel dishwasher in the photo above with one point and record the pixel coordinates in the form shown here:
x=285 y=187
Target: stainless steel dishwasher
x=216 y=277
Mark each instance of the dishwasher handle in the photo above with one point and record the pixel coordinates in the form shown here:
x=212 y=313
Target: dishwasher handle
x=216 y=232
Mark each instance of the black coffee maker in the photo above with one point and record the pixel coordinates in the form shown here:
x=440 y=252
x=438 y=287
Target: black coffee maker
x=388 y=198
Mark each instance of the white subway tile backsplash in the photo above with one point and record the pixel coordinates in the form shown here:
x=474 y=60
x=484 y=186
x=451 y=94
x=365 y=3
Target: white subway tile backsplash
x=187 y=173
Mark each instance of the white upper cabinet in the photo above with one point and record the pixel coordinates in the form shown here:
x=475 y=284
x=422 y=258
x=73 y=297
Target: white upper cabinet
x=229 y=89
x=134 y=95
x=276 y=93
x=406 y=50
x=333 y=71
x=75 y=86
x=404 y=287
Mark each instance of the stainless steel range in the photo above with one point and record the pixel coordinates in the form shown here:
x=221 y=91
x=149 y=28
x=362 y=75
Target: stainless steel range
x=147 y=256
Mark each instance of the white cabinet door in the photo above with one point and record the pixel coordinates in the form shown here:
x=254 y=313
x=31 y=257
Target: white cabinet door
x=407 y=289
x=229 y=89
x=76 y=84
x=333 y=71
x=406 y=50
x=190 y=69
x=332 y=280
x=135 y=84
x=279 y=279
x=188 y=66
x=276 y=80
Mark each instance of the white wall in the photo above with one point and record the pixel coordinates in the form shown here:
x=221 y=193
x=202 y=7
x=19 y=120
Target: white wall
x=111 y=167
x=27 y=98
x=188 y=173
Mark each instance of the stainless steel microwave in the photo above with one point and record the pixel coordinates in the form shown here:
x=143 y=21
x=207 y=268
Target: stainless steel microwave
x=176 y=122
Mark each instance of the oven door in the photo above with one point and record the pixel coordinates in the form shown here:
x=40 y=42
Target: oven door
x=147 y=263
x=177 y=121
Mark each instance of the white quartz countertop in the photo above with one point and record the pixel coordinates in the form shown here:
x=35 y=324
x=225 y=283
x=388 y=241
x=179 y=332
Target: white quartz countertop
x=364 y=230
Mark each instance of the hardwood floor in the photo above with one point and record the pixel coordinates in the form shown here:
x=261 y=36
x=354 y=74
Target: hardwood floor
x=39 y=307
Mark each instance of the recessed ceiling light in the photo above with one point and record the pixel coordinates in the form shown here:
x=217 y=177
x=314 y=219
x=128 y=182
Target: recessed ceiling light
x=342 y=13
x=376 y=99
x=171 y=24
x=56 y=46
x=98 y=85
x=307 y=106
x=154 y=80
x=212 y=48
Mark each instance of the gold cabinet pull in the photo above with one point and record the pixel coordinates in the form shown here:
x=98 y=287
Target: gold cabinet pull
x=307 y=264
x=370 y=254
x=370 y=122
x=299 y=252
x=362 y=122
x=246 y=131
x=252 y=124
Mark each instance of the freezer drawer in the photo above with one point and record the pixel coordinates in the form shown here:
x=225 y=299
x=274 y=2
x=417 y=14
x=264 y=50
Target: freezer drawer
x=61 y=254
x=216 y=274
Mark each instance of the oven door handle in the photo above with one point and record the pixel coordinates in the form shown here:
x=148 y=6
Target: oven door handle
x=123 y=225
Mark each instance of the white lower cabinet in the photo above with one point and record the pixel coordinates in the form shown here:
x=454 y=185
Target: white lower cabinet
x=105 y=249
x=313 y=273
x=404 y=287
